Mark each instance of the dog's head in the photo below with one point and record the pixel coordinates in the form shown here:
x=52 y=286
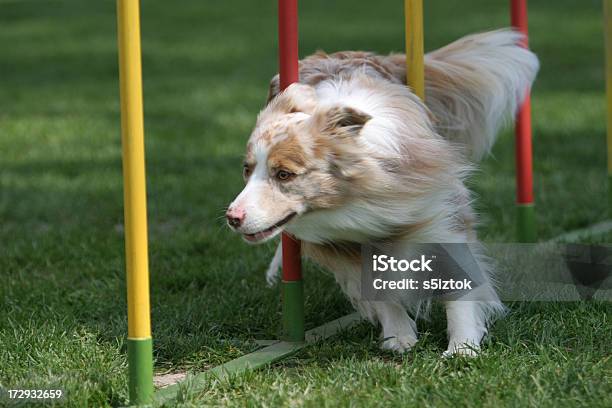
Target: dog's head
x=301 y=157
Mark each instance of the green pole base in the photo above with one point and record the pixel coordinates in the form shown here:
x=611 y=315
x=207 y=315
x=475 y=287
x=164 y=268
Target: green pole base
x=293 y=311
x=526 y=223
x=140 y=362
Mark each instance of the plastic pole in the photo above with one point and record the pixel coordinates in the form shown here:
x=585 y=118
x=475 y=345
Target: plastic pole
x=608 y=44
x=526 y=225
x=140 y=354
x=415 y=49
x=292 y=285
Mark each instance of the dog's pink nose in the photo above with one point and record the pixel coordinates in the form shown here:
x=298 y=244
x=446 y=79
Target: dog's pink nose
x=235 y=216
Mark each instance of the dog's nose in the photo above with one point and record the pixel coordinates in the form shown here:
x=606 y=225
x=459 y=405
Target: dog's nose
x=235 y=216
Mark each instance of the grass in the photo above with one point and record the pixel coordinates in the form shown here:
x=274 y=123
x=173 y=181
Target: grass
x=206 y=68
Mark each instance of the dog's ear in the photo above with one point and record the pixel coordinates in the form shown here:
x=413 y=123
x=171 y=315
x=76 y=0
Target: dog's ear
x=273 y=89
x=342 y=120
x=295 y=98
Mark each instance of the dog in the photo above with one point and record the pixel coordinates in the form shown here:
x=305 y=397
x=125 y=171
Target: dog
x=350 y=155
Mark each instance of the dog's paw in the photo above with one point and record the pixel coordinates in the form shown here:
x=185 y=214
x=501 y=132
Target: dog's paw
x=398 y=344
x=464 y=349
x=272 y=279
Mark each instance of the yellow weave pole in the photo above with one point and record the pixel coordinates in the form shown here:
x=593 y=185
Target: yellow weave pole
x=608 y=45
x=140 y=355
x=415 y=49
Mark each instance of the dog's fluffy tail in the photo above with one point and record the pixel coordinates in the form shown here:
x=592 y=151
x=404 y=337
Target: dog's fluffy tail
x=475 y=84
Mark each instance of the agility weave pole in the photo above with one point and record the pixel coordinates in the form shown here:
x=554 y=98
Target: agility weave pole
x=415 y=48
x=292 y=286
x=608 y=50
x=139 y=342
x=526 y=221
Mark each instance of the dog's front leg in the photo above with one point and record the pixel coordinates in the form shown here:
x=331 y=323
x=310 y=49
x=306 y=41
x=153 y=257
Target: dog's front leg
x=466 y=326
x=273 y=272
x=398 y=329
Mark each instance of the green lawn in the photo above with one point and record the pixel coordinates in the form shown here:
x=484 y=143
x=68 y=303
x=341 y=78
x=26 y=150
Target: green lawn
x=206 y=69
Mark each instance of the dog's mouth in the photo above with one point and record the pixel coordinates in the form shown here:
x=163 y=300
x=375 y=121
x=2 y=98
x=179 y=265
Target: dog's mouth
x=270 y=231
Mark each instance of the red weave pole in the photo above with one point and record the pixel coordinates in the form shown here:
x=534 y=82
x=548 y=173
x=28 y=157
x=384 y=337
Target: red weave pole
x=288 y=69
x=292 y=263
x=287 y=42
x=524 y=161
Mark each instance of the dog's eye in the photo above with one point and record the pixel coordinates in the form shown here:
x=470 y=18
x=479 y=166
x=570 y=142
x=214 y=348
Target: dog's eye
x=284 y=175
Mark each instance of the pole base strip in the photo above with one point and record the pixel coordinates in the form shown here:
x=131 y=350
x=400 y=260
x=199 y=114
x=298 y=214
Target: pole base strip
x=526 y=223
x=140 y=361
x=582 y=234
x=255 y=360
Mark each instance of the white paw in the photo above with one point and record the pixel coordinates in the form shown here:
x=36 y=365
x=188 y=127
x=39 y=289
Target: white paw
x=272 y=278
x=399 y=344
x=464 y=349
